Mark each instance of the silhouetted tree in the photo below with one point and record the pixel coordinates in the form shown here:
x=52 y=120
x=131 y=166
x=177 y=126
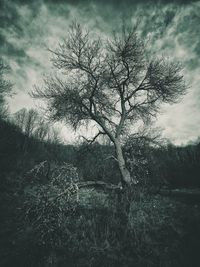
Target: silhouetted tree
x=5 y=88
x=32 y=124
x=110 y=82
x=27 y=120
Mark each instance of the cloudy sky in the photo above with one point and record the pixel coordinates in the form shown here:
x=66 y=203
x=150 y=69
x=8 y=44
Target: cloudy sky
x=28 y=28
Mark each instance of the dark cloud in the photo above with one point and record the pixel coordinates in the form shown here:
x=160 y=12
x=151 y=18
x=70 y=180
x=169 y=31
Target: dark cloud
x=172 y=28
x=10 y=49
x=113 y=2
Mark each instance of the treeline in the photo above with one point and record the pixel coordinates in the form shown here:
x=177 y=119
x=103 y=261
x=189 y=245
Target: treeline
x=20 y=152
x=98 y=230
x=176 y=166
x=25 y=142
x=168 y=165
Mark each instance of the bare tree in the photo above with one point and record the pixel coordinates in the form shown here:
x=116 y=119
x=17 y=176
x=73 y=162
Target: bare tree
x=53 y=135
x=42 y=130
x=27 y=120
x=5 y=88
x=110 y=82
x=32 y=124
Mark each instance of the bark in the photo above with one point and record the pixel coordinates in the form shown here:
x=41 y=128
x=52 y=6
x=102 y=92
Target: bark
x=125 y=174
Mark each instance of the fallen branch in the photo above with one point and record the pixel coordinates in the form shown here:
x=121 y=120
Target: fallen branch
x=73 y=188
x=111 y=157
x=91 y=141
x=98 y=184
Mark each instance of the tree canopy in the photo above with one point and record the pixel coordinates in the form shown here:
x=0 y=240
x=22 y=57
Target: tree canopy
x=110 y=81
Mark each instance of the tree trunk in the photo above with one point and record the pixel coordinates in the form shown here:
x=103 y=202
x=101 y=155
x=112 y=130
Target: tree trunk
x=125 y=174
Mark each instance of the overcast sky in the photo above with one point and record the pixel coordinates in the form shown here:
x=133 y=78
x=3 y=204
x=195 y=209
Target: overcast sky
x=27 y=28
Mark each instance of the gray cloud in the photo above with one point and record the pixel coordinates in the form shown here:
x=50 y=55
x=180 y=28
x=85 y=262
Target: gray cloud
x=172 y=28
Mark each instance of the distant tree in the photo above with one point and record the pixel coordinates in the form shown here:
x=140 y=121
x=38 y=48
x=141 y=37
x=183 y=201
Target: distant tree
x=27 y=120
x=53 y=135
x=42 y=131
x=5 y=89
x=110 y=82
x=32 y=124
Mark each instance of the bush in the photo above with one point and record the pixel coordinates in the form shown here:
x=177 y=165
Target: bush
x=100 y=230
x=160 y=228
x=56 y=224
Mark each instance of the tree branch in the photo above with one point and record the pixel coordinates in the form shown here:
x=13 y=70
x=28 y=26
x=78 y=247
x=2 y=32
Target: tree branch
x=111 y=157
x=90 y=141
x=88 y=184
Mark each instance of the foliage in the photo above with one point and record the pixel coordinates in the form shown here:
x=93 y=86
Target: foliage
x=168 y=165
x=95 y=162
x=43 y=223
x=176 y=166
x=136 y=151
x=48 y=206
x=160 y=228
x=151 y=231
